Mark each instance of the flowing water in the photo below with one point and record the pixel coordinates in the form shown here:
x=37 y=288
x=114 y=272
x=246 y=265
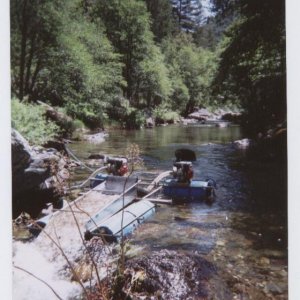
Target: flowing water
x=244 y=233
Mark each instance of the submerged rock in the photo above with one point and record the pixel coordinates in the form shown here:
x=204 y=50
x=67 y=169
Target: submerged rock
x=96 y=138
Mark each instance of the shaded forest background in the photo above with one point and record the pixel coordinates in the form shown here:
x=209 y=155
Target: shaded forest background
x=112 y=62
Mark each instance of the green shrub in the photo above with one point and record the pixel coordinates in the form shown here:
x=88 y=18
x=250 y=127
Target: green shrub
x=135 y=120
x=78 y=124
x=78 y=130
x=92 y=115
x=30 y=121
x=163 y=114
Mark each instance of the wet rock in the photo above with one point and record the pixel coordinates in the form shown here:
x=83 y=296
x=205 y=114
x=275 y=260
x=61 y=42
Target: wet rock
x=170 y=274
x=38 y=176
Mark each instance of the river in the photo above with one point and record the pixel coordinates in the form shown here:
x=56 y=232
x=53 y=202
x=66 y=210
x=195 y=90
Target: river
x=243 y=234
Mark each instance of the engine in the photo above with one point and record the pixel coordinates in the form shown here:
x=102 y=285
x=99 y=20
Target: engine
x=183 y=171
x=117 y=166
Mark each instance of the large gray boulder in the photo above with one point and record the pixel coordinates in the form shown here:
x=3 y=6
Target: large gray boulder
x=38 y=176
x=201 y=115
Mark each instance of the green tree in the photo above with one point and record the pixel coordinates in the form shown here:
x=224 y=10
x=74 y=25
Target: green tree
x=192 y=70
x=90 y=69
x=34 y=28
x=188 y=13
x=66 y=60
x=252 y=67
x=127 y=26
x=163 y=24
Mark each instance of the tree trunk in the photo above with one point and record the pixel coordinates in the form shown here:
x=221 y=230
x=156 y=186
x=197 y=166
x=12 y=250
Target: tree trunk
x=23 y=50
x=29 y=63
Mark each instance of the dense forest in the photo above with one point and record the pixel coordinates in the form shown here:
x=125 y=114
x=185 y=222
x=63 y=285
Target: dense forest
x=112 y=62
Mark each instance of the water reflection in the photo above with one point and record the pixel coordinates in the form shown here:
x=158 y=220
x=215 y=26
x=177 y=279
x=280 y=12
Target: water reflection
x=160 y=141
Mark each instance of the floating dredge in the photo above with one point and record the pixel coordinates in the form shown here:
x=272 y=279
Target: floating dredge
x=182 y=188
x=121 y=223
x=114 y=198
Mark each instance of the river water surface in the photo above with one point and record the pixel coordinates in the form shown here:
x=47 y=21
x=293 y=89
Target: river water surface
x=243 y=234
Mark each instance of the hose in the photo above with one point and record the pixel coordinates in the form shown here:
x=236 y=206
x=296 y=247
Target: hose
x=77 y=159
x=87 y=180
x=84 y=165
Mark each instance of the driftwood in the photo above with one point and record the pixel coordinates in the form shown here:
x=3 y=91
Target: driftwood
x=63 y=121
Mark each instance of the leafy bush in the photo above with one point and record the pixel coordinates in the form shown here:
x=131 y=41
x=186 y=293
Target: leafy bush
x=135 y=120
x=127 y=116
x=163 y=114
x=30 y=121
x=78 y=124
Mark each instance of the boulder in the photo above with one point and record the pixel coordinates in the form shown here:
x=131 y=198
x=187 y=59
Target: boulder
x=150 y=123
x=235 y=117
x=168 y=275
x=96 y=156
x=185 y=155
x=38 y=176
x=201 y=115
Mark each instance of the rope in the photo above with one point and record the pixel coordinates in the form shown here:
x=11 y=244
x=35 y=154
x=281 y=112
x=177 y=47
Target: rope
x=77 y=159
